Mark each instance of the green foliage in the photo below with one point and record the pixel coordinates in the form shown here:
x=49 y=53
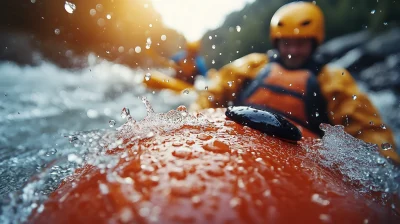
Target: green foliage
x=341 y=17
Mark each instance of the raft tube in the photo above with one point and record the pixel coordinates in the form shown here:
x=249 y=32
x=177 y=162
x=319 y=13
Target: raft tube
x=220 y=172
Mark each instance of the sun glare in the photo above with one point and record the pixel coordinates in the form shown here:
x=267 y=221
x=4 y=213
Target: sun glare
x=193 y=18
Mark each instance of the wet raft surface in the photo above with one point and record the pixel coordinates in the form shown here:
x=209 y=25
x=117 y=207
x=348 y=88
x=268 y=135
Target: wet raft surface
x=218 y=173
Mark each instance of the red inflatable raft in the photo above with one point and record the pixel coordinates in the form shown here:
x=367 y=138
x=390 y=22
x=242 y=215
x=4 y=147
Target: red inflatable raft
x=209 y=169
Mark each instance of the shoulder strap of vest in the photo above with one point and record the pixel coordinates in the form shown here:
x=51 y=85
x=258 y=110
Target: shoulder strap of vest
x=252 y=86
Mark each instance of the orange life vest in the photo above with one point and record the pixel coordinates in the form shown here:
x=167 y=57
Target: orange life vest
x=294 y=94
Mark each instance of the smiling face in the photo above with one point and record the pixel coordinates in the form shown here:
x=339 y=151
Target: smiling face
x=295 y=52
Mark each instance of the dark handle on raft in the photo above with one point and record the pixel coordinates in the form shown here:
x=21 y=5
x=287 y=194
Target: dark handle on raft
x=264 y=121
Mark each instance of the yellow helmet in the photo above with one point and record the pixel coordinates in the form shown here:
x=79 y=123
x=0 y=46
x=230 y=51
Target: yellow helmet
x=193 y=46
x=298 y=20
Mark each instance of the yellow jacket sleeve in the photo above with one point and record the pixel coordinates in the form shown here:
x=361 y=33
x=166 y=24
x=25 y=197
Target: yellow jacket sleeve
x=349 y=107
x=225 y=83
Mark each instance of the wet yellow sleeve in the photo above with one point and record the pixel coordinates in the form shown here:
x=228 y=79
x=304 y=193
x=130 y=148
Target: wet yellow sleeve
x=225 y=83
x=349 y=107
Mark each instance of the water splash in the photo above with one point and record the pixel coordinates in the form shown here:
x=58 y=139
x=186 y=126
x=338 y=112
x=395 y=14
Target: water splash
x=90 y=149
x=359 y=162
x=159 y=122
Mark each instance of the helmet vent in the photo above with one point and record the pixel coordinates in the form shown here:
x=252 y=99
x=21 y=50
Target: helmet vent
x=280 y=23
x=305 y=23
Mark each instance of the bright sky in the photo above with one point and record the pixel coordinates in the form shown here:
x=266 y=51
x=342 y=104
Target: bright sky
x=193 y=18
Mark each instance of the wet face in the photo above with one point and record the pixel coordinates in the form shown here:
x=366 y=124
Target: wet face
x=295 y=52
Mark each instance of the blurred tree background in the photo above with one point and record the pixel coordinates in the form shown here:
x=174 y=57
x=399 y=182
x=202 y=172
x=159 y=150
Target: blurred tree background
x=120 y=30
x=112 y=29
x=247 y=31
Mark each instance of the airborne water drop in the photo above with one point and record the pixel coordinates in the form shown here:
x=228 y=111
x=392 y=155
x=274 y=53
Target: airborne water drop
x=147 y=76
x=386 y=146
x=69 y=7
x=111 y=123
x=125 y=113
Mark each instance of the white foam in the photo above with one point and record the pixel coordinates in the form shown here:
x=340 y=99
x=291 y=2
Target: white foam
x=359 y=162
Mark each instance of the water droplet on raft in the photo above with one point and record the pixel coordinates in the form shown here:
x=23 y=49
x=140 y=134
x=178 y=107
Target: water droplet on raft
x=316 y=198
x=213 y=62
x=354 y=97
x=371 y=123
x=125 y=113
x=325 y=218
x=230 y=83
x=216 y=146
x=289 y=56
x=315 y=94
x=210 y=98
x=176 y=144
x=163 y=37
x=147 y=77
x=190 y=142
x=57 y=31
x=316 y=114
x=383 y=126
x=267 y=193
x=108 y=16
x=373 y=11
x=386 y=146
x=103 y=189
x=126 y=215
x=186 y=188
x=229 y=123
x=111 y=123
x=213 y=46
x=206 y=88
x=177 y=173
x=182 y=152
x=196 y=200
x=186 y=91
x=144 y=212
x=234 y=202
x=203 y=136
x=334 y=98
